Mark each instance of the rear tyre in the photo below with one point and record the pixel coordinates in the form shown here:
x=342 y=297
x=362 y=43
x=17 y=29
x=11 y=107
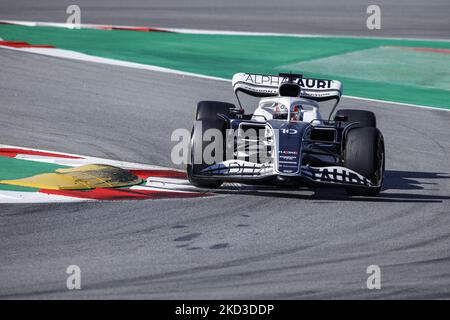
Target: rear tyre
x=364 y=118
x=364 y=154
x=206 y=113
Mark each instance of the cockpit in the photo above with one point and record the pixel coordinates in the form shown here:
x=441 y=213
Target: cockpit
x=280 y=111
x=287 y=109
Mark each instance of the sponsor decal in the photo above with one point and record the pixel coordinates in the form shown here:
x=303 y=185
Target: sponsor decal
x=286 y=155
x=288 y=161
x=289 y=131
x=238 y=167
x=336 y=175
x=267 y=85
x=288 y=158
x=289 y=152
x=269 y=80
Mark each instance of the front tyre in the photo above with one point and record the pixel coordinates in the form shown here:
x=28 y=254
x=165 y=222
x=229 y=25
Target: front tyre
x=364 y=154
x=206 y=113
x=200 y=182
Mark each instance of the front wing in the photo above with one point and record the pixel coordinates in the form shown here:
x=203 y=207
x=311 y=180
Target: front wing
x=244 y=171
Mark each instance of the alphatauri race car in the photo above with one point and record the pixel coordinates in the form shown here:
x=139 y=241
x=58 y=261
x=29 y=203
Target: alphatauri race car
x=286 y=141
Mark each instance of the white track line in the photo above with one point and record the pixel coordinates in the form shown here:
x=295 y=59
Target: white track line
x=69 y=54
x=396 y=103
x=81 y=160
x=7 y=196
x=295 y=35
x=161 y=184
x=73 y=55
x=210 y=32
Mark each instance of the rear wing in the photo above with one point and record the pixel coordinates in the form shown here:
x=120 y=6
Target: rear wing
x=259 y=85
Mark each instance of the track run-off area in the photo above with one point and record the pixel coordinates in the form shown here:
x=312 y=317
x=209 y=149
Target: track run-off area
x=396 y=70
x=117 y=96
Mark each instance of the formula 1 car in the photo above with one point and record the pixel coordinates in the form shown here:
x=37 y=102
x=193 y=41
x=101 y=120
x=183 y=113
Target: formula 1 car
x=285 y=141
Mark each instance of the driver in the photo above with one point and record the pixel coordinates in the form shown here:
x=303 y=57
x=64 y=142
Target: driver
x=281 y=112
x=296 y=114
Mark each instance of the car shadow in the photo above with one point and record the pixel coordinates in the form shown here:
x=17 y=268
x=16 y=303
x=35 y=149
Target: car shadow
x=395 y=182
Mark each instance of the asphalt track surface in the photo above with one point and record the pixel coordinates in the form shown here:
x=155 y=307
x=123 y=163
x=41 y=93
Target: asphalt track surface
x=252 y=243
x=399 y=18
x=244 y=243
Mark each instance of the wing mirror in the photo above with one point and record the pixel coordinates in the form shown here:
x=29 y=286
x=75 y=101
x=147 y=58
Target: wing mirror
x=341 y=118
x=237 y=113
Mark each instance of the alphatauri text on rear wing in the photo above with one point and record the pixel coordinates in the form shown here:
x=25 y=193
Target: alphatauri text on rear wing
x=260 y=85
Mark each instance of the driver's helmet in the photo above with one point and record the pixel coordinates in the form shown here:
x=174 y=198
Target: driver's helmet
x=280 y=111
x=296 y=114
